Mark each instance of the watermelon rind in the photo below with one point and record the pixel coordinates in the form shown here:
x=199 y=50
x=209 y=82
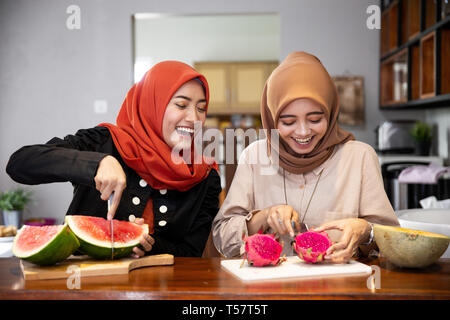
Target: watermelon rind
x=63 y=244
x=101 y=250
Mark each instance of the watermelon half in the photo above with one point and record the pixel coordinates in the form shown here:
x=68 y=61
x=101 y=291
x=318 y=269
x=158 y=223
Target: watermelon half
x=45 y=245
x=94 y=234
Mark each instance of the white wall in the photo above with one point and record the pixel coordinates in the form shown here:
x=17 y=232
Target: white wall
x=50 y=76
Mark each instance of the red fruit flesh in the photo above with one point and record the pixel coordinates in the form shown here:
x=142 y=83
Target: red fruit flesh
x=32 y=237
x=312 y=246
x=262 y=250
x=100 y=228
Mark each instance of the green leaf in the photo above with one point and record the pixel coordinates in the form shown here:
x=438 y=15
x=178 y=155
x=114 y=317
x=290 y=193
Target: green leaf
x=421 y=131
x=14 y=199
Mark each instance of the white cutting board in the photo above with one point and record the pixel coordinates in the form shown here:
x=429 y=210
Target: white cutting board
x=294 y=268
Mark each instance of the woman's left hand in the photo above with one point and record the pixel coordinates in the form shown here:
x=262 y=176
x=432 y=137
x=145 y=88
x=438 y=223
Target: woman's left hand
x=146 y=242
x=354 y=232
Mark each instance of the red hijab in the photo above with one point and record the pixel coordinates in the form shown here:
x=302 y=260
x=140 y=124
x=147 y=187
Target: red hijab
x=138 y=134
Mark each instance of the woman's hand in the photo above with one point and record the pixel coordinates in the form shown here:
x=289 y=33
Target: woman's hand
x=355 y=231
x=110 y=178
x=277 y=217
x=146 y=242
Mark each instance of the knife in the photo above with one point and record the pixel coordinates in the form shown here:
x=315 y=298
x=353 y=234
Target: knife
x=111 y=227
x=303 y=228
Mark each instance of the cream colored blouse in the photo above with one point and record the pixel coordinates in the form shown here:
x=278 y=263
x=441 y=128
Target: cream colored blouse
x=351 y=186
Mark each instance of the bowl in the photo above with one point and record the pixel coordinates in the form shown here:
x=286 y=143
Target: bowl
x=409 y=248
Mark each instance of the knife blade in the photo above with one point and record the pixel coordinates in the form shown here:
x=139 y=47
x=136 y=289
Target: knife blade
x=303 y=228
x=111 y=227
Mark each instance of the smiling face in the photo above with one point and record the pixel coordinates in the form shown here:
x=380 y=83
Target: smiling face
x=302 y=124
x=187 y=105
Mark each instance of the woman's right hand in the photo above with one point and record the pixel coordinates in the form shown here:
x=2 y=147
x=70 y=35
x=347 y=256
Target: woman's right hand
x=279 y=218
x=110 y=178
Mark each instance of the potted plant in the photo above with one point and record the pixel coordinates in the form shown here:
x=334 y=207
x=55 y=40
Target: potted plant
x=421 y=133
x=12 y=204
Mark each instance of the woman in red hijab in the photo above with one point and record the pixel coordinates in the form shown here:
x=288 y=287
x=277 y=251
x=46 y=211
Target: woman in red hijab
x=137 y=163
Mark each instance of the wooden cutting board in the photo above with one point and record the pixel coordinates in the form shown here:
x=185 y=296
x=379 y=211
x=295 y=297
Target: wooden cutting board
x=89 y=267
x=294 y=268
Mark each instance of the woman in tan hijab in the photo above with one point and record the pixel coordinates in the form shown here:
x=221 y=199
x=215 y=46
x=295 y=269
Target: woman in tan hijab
x=319 y=176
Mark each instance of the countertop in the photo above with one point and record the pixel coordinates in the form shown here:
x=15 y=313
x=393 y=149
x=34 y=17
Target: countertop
x=205 y=279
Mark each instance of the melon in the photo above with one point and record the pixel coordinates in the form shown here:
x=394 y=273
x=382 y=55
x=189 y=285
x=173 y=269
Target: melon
x=94 y=234
x=44 y=245
x=409 y=248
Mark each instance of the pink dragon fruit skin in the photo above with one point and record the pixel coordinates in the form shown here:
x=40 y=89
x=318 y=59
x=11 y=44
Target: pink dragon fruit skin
x=262 y=250
x=311 y=246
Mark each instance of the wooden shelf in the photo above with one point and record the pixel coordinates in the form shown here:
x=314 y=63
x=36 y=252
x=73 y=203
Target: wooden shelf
x=394 y=79
x=404 y=22
x=430 y=13
x=393 y=24
x=415 y=72
x=427 y=66
x=389 y=26
x=444 y=60
x=417 y=38
x=433 y=102
x=416 y=35
x=413 y=18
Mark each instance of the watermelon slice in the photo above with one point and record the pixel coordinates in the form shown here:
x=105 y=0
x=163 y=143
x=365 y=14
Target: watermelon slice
x=44 y=245
x=94 y=235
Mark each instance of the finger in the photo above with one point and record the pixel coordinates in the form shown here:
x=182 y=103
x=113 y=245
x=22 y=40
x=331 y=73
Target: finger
x=339 y=259
x=341 y=256
x=106 y=190
x=297 y=227
x=288 y=226
x=114 y=203
x=275 y=223
x=294 y=218
x=98 y=184
x=336 y=247
x=145 y=244
x=329 y=226
x=111 y=212
x=149 y=239
x=139 y=221
x=271 y=221
x=284 y=218
x=138 y=251
x=342 y=243
x=345 y=247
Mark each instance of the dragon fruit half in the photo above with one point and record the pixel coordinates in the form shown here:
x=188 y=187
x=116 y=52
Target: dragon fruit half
x=262 y=250
x=311 y=246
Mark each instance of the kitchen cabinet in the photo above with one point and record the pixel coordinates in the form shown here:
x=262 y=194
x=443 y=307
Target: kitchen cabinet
x=414 y=54
x=235 y=87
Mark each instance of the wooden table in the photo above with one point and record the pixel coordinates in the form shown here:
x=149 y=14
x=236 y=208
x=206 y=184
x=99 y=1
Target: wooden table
x=201 y=278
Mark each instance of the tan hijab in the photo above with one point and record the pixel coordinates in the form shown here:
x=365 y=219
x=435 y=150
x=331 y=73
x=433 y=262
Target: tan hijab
x=302 y=75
